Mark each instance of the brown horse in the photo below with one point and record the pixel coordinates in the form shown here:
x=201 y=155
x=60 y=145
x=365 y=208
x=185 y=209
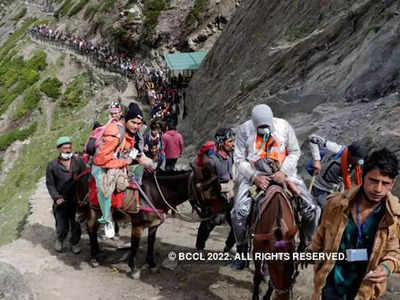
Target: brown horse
x=175 y=189
x=274 y=230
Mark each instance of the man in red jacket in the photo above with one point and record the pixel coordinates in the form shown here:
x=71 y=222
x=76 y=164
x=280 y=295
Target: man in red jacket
x=172 y=142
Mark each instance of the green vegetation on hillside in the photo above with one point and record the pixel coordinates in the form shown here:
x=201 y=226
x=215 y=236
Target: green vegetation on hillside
x=64 y=8
x=91 y=11
x=196 y=14
x=16 y=135
x=51 y=87
x=151 y=11
x=74 y=95
x=131 y=2
x=108 y=5
x=20 y=14
x=77 y=8
x=14 y=38
x=31 y=100
x=30 y=167
x=17 y=75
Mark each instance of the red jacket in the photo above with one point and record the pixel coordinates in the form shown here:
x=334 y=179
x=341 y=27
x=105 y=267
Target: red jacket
x=172 y=142
x=105 y=157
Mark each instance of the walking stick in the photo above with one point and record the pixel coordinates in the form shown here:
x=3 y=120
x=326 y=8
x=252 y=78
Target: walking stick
x=311 y=183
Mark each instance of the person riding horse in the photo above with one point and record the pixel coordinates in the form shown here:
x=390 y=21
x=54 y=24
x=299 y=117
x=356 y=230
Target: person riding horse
x=220 y=163
x=115 y=155
x=267 y=137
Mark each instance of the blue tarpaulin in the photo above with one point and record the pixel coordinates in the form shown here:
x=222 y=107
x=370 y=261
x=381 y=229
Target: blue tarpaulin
x=184 y=60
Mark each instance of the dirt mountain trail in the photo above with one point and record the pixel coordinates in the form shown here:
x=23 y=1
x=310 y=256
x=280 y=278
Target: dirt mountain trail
x=84 y=59
x=68 y=276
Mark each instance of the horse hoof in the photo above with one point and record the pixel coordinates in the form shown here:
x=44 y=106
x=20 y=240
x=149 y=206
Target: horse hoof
x=94 y=263
x=135 y=274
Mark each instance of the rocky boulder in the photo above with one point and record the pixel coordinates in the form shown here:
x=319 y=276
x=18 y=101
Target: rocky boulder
x=12 y=284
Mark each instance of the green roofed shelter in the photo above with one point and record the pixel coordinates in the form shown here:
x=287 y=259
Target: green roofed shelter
x=184 y=61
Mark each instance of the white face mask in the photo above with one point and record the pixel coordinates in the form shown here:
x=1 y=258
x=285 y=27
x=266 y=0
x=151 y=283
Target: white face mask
x=66 y=156
x=264 y=131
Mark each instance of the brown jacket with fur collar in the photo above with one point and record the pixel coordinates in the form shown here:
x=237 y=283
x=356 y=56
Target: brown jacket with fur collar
x=329 y=235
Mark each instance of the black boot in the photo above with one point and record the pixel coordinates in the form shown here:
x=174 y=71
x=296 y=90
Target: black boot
x=240 y=264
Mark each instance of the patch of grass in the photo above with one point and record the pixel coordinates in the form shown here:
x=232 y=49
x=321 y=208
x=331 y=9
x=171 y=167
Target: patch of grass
x=91 y=11
x=77 y=8
x=51 y=87
x=16 y=135
x=29 y=168
x=64 y=9
x=74 y=95
x=17 y=75
x=108 y=5
x=131 y=3
x=60 y=61
x=151 y=11
x=31 y=100
x=9 y=72
x=20 y=14
x=196 y=14
x=14 y=38
x=118 y=33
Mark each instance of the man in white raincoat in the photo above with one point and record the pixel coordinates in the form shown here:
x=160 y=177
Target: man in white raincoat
x=267 y=137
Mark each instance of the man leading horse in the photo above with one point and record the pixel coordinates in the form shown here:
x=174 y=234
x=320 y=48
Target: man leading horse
x=267 y=137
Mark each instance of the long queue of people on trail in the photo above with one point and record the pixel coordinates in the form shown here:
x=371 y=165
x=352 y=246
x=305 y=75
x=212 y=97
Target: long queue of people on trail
x=100 y=54
x=162 y=94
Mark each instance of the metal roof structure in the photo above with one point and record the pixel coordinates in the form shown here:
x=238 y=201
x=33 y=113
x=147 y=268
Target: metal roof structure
x=181 y=61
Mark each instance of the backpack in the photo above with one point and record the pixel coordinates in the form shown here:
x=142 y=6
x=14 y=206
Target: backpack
x=322 y=153
x=96 y=138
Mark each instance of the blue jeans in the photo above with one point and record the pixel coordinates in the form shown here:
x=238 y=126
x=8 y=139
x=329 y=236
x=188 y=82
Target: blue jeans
x=104 y=203
x=319 y=196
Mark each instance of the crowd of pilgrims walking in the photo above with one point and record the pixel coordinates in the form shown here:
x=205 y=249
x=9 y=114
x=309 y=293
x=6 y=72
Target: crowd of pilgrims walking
x=163 y=94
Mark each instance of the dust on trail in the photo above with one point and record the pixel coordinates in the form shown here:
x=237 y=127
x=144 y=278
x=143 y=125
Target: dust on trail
x=68 y=276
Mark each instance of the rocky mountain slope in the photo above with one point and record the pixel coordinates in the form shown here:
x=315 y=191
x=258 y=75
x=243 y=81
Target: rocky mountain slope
x=329 y=67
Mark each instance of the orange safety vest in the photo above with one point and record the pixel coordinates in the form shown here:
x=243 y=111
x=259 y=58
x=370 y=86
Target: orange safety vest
x=271 y=149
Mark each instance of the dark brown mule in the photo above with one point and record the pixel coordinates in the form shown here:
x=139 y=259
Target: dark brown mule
x=174 y=187
x=274 y=232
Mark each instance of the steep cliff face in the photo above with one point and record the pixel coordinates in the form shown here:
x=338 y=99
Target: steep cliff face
x=327 y=66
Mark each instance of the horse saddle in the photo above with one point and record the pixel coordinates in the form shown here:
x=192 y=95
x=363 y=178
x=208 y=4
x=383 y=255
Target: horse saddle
x=127 y=201
x=131 y=202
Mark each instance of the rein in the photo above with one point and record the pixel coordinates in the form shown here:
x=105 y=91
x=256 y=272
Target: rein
x=162 y=218
x=183 y=217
